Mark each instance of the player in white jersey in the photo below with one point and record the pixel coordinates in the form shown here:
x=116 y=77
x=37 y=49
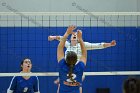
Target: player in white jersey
x=74 y=45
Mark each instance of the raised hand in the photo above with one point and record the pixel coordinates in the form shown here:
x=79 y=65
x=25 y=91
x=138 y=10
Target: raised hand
x=79 y=34
x=113 y=43
x=70 y=29
x=50 y=38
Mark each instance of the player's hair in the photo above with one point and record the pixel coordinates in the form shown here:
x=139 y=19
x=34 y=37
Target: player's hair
x=71 y=60
x=131 y=85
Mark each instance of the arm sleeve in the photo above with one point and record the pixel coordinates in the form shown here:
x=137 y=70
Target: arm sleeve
x=12 y=86
x=91 y=46
x=66 y=43
x=36 y=85
x=60 y=38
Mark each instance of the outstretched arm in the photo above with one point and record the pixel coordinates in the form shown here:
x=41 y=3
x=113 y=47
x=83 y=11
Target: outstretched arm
x=83 y=49
x=112 y=43
x=91 y=46
x=59 y=38
x=60 y=51
x=50 y=38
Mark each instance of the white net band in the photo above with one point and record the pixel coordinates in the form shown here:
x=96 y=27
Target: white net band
x=70 y=13
x=85 y=73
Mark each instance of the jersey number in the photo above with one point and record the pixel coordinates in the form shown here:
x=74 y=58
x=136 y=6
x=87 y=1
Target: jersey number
x=73 y=77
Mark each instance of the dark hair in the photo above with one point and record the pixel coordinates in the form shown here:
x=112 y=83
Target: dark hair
x=131 y=85
x=71 y=60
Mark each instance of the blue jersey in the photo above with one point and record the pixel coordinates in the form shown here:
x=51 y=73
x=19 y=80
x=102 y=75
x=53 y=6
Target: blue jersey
x=21 y=85
x=66 y=85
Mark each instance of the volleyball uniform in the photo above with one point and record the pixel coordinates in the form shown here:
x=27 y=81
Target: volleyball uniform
x=21 y=85
x=66 y=85
x=77 y=48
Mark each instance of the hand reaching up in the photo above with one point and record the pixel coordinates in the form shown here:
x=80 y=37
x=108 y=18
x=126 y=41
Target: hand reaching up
x=79 y=34
x=70 y=29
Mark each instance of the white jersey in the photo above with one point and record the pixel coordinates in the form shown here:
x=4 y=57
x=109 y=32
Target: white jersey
x=77 y=48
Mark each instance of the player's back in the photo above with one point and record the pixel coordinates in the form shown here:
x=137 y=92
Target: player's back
x=66 y=85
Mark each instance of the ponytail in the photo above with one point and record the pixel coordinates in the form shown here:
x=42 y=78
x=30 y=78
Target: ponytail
x=70 y=73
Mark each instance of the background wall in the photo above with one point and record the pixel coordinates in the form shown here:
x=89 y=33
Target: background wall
x=26 y=36
x=66 y=5
x=20 y=42
x=138 y=7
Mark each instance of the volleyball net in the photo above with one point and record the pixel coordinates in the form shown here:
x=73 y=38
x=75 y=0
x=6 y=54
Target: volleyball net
x=85 y=73
x=44 y=19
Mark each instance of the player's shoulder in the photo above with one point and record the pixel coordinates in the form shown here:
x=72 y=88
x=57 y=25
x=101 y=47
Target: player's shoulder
x=15 y=77
x=80 y=64
x=62 y=63
x=34 y=78
x=84 y=43
x=62 y=60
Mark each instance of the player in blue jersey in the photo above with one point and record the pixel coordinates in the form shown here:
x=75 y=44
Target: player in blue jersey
x=24 y=84
x=71 y=70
